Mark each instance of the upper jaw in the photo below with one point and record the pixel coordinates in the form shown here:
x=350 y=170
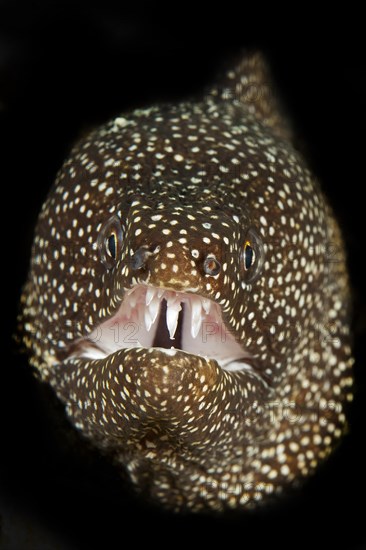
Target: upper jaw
x=153 y=317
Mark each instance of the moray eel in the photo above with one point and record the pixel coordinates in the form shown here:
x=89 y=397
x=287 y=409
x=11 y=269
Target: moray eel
x=188 y=298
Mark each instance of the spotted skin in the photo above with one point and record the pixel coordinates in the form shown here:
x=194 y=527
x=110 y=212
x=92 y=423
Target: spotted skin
x=166 y=198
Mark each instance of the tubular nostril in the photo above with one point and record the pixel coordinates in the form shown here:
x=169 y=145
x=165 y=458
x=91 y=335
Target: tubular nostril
x=139 y=258
x=141 y=255
x=211 y=266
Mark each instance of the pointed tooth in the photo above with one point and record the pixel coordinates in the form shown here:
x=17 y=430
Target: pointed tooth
x=196 y=327
x=154 y=308
x=148 y=320
x=206 y=304
x=160 y=292
x=150 y=293
x=172 y=313
x=196 y=308
x=196 y=319
x=172 y=321
x=132 y=299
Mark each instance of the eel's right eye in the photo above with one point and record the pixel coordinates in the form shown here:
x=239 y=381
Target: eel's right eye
x=249 y=255
x=110 y=242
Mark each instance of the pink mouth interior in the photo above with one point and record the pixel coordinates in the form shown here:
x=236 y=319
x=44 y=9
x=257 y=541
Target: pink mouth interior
x=151 y=317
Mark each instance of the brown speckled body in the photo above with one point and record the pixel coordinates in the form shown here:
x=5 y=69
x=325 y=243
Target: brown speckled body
x=237 y=388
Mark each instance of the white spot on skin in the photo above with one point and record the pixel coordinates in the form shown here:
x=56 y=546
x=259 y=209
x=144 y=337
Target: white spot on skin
x=121 y=122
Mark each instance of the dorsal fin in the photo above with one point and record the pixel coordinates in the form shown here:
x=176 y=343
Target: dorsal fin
x=249 y=82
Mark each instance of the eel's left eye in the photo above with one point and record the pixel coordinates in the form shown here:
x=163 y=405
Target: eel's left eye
x=110 y=242
x=252 y=256
x=248 y=255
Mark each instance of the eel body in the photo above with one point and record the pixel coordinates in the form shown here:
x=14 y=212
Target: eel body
x=188 y=298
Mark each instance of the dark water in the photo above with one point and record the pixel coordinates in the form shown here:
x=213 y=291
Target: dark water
x=65 y=67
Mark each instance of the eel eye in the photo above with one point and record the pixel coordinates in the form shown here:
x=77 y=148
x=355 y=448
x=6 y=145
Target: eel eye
x=248 y=255
x=252 y=256
x=112 y=246
x=110 y=242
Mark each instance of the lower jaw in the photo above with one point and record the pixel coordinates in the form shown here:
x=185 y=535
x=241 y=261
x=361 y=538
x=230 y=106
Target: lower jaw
x=160 y=410
x=133 y=389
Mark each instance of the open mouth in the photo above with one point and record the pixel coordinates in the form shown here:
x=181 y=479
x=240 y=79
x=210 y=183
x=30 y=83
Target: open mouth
x=151 y=317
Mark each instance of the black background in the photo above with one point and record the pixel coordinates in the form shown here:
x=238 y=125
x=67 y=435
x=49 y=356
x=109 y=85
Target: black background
x=65 y=66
